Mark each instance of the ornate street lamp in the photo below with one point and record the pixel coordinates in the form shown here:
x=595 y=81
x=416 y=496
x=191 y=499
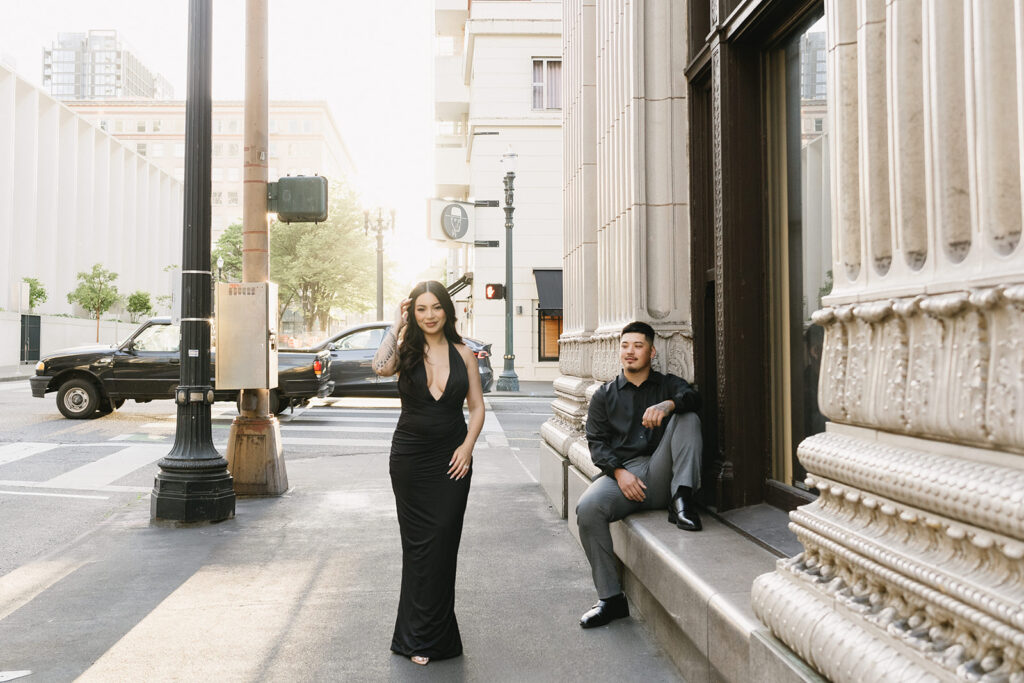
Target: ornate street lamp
x=508 y=380
x=193 y=484
x=379 y=224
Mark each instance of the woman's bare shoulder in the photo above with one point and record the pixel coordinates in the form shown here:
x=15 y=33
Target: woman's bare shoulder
x=464 y=351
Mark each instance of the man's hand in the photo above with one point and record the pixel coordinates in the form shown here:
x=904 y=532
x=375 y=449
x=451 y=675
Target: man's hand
x=631 y=485
x=656 y=414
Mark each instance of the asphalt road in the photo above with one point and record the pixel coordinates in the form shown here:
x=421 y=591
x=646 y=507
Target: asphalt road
x=61 y=478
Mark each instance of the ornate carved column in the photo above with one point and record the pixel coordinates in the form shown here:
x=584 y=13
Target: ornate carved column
x=913 y=562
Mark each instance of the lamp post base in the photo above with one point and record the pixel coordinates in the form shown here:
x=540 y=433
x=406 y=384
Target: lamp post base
x=508 y=382
x=191 y=497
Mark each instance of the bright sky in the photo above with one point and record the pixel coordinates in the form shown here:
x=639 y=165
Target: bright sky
x=371 y=60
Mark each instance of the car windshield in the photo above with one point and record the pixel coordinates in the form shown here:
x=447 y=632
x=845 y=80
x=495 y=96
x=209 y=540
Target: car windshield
x=363 y=339
x=158 y=338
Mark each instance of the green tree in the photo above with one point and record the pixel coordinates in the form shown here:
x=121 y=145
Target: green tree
x=96 y=292
x=139 y=304
x=326 y=265
x=36 y=292
x=164 y=300
x=229 y=248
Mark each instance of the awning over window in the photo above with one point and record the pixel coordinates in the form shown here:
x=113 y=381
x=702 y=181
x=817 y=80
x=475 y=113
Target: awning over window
x=549 y=289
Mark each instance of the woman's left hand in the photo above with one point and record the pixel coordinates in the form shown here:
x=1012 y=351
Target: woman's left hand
x=461 y=459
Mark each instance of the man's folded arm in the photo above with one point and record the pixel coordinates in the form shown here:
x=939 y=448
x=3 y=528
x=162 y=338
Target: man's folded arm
x=598 y=436
x=685 y=397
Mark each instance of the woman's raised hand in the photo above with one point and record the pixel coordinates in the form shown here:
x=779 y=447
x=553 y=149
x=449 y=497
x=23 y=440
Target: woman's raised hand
x=402 y=314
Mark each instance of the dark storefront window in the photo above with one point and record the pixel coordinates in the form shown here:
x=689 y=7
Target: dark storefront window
x=550 y=328
x=801 y=246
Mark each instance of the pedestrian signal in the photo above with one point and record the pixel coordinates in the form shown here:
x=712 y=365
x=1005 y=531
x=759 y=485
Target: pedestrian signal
x=494 y=291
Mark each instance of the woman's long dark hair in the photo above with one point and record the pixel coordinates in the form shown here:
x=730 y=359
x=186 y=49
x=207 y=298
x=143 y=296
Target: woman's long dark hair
x=411 y=351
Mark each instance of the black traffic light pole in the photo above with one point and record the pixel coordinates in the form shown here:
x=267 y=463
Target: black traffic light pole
x=193 y=484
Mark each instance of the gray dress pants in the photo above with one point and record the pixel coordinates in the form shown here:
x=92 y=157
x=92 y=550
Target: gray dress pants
x=674 y=463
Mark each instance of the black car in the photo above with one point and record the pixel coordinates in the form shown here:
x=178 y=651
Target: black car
x=352 y=352
x=146 y=367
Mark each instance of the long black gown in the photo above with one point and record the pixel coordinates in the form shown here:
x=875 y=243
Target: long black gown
x=431 y=507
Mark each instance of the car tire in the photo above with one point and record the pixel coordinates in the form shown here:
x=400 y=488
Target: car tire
x=78 y=399
x=277 y=404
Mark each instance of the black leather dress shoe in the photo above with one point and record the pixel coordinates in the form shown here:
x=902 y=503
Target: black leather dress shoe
x=683 y=513
x=605 y=611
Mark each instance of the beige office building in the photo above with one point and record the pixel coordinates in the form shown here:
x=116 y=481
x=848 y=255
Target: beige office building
x=304 y=140
x=498 y=85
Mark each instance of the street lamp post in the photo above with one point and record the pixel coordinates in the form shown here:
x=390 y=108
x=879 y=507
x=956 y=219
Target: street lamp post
x=213 y=285
x=193 y=484
x=379 y=225
x=508 y=380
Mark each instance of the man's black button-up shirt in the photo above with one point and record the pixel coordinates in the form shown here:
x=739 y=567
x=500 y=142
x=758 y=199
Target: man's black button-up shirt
x=614 y=429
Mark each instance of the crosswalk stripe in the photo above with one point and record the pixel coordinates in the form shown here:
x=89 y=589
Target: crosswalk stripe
x=296 y=428
x=52 y=495
x=108 y=469
x=314 y=441
x=351 y=414
x=46 y=485
x=325 y=418
x=16 y=451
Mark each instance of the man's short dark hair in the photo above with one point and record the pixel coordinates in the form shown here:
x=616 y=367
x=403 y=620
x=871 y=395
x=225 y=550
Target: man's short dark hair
x=642 y=328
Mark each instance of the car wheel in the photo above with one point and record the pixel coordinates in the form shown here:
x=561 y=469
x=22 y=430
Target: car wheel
x=277 y=404
x=77 y=399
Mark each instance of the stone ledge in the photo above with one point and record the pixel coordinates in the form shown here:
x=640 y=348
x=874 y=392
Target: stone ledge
x=693 y=589
x=553 y=477
x=701 y=582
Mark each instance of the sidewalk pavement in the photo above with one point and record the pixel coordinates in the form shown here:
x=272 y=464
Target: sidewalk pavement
x=305 y=587
x=9 y=373
x=528 y=388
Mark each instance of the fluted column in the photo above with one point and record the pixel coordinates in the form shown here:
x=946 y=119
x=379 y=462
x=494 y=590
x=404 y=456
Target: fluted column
x=913 y=561
x=626 y=204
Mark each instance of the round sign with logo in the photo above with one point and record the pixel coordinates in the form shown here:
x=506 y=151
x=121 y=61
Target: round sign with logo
x=454 y=221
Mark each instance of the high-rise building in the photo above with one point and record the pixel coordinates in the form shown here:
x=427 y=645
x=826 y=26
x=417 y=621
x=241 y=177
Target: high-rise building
x=498 y=84
x=98 y=64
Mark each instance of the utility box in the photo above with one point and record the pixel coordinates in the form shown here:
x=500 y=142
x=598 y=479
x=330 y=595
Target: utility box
x=246 y=335
x=298 y=199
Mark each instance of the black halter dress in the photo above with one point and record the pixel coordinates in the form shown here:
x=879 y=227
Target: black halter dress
x=430 y=507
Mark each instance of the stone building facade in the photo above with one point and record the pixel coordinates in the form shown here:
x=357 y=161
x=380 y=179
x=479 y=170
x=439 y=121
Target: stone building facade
x=497 y=87
x=771 y=238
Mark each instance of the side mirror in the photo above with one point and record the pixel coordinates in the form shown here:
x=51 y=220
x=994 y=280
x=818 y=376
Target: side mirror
x=129 y=347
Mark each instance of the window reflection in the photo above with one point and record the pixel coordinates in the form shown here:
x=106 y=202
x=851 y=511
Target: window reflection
x=802 y=273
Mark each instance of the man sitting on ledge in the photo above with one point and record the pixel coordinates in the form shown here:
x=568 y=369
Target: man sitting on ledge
x=645 y=437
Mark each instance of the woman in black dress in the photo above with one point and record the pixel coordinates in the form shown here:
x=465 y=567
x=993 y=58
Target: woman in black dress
x=431 y=464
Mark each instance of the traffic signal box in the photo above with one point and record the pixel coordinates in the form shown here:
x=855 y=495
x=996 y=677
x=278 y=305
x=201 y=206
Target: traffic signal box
x=298 y=199
x=494 y=291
